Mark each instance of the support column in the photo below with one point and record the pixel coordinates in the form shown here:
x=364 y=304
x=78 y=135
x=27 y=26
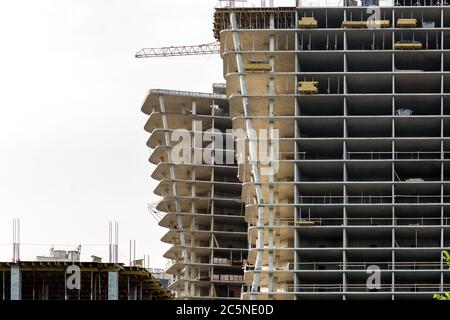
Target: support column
x=344 y=168
x=16 y=283
x=197 y=156
x=271 y=114
x=252 y=141
x=3 y=286
x=442 y=160
x=128 y=287
x=296 y=157
x=113 y=285
x=177 y=203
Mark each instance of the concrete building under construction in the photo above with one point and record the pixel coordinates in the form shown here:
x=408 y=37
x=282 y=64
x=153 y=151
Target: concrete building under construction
x=51 y=279
x=200 y=193
x=361 y=102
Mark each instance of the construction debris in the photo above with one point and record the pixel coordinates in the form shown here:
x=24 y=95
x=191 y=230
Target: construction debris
x=258 y=66
x=406 y=23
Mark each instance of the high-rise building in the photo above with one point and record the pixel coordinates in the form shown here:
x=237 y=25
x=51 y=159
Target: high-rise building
x=201 y=194
x=358 y=205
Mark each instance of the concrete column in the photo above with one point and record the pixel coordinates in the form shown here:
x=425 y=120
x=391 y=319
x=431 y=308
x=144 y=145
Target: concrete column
x=3 y=286
x=16 y=283
x=296 y=156
x=113 y=285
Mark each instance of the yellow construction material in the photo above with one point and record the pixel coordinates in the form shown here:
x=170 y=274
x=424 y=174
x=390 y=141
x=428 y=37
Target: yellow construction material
x=354 y=24
x=408 y=45
x=379 y=23
x=258 y=66
x=407 y=23
x=307 y=23
x=305 y=222
x=366 y=24
x=308 y=87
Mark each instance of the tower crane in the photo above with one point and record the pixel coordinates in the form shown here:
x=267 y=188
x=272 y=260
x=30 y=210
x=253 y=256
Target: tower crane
x=191 y=50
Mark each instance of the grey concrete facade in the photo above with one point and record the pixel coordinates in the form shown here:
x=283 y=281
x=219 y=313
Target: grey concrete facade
x=364 y=163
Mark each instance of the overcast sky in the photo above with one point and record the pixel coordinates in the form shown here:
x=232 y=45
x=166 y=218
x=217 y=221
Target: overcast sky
x=73 y=153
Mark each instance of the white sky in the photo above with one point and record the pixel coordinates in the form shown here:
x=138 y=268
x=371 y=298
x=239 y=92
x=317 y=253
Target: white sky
x=73 y=153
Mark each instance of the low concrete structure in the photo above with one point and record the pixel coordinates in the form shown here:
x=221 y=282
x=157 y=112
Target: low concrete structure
x=56 y=280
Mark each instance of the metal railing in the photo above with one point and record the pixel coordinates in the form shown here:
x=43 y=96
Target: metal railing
x=369 y=199
x=288 y=222
x=363 y=266
x=373 y=199
x=368 y=155
x=358 y=287
x=398 y=155
x=339 y=3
